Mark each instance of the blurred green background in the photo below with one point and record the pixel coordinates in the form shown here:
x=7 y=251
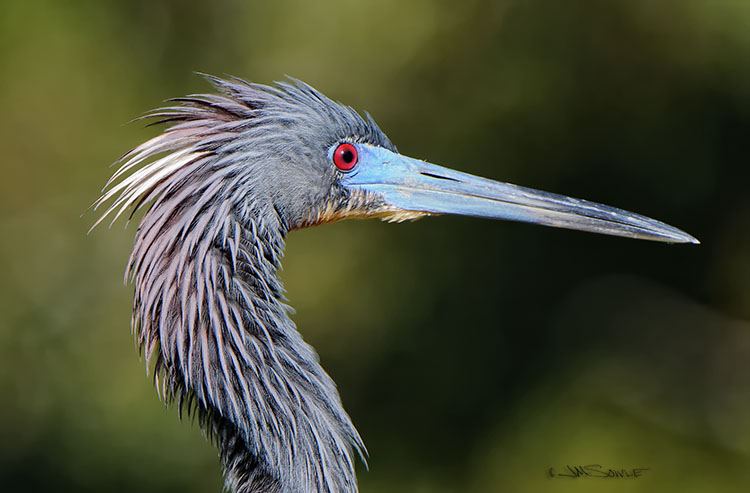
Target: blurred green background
x=472 y=355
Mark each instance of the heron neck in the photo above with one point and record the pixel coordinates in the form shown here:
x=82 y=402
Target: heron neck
x=210 y=307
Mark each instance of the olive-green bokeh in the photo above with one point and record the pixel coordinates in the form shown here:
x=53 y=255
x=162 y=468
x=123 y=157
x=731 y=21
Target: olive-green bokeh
x=472 y=355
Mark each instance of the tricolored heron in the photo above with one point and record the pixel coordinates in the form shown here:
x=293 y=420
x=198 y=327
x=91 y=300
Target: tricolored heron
x=233 y=174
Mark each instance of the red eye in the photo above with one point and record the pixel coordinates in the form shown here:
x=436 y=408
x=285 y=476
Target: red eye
x=345 y=156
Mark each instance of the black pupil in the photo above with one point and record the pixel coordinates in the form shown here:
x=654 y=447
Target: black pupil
x=347 y=156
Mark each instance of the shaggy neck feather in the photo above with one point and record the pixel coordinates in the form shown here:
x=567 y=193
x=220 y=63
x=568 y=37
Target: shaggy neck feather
x=209 y=307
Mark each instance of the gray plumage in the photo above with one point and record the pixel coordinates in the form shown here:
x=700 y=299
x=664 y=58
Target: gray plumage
x=209 y=307
x=225 y=183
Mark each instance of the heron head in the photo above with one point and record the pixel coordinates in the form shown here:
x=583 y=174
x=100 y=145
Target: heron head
x=290 y=152
x=343 y=166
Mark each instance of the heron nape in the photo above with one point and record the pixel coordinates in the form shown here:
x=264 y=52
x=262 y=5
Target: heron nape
x=223 y=185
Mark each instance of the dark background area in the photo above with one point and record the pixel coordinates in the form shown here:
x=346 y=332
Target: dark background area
x=472 y=355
